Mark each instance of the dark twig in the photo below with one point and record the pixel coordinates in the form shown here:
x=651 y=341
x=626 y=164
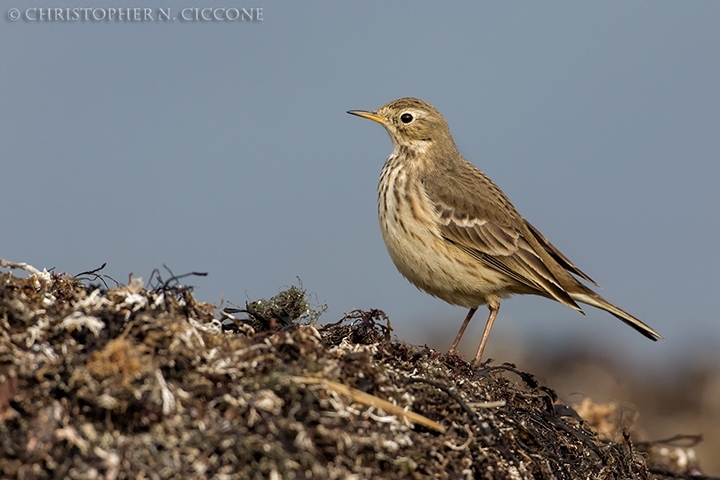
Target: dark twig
x=95 y=276
x=172 y=283
x=529 y=379
x=92 y=272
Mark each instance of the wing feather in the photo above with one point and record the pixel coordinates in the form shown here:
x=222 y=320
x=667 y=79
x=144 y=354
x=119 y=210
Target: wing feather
x=489 y=228
x=558 y=255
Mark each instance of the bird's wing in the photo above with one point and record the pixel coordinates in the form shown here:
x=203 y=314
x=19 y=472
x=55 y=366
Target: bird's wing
x=558 y=255
x=482 y=222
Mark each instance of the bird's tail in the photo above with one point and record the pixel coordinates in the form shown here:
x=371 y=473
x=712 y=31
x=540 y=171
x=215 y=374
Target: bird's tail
x=591 y=298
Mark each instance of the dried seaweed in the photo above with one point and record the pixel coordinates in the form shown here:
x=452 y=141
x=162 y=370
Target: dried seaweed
x=136 y=382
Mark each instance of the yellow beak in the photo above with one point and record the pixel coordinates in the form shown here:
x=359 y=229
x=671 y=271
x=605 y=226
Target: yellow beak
x=369 y=115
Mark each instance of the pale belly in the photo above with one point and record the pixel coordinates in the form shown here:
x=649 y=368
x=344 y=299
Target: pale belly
x=427 y=260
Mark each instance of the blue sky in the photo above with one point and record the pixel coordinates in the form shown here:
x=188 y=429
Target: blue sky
x=225 y=147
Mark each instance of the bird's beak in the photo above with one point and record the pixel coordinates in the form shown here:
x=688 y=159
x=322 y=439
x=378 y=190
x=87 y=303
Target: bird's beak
x=369 y=115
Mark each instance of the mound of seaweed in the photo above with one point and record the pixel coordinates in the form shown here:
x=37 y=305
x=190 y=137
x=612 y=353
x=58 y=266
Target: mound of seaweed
x=147 y=382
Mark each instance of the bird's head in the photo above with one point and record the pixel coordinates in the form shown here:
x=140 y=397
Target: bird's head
x=411 y=123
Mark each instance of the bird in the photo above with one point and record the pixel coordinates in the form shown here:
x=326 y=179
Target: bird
x=454 y=234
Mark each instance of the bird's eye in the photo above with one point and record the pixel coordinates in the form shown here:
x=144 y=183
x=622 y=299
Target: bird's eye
x=406 y=118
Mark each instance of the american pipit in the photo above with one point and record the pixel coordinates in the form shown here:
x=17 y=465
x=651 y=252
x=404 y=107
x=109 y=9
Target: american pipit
x=454 y=234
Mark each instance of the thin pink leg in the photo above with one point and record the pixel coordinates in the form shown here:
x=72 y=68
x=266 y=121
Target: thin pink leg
x=470 y=314
x=486 y=334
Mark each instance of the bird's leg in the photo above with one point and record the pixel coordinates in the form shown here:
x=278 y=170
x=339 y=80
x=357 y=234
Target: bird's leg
x=470 y=314
x=494 y=309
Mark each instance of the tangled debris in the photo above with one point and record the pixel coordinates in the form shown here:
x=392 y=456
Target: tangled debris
x=283 y=309
x=130 y=382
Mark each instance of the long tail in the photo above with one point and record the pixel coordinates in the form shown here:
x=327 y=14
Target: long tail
x=591 y=298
